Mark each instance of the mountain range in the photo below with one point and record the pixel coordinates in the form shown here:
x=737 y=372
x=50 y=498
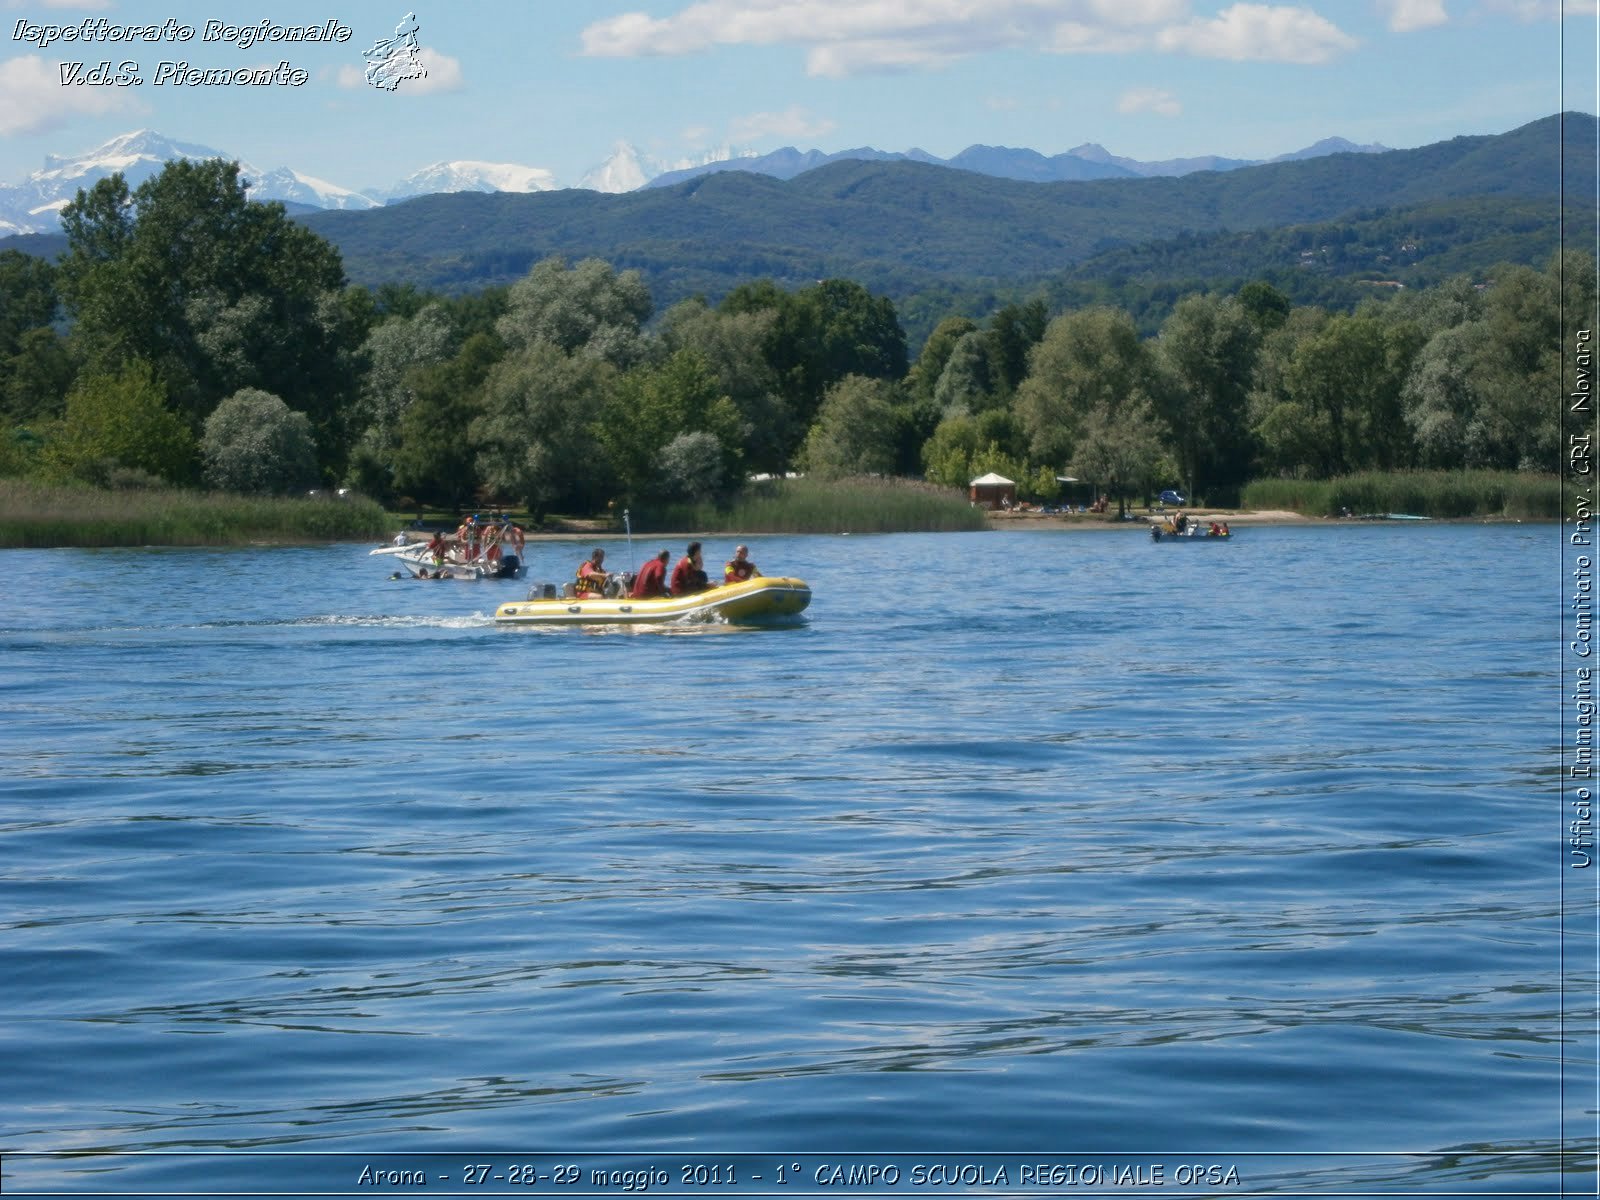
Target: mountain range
x=34 y=204
x=1326 y=229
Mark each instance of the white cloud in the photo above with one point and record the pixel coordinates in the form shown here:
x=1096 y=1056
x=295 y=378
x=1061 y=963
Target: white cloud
x=33 y=99
x=793 y=123
x=1544 y=10
x=1407 y=16
x=444 y=75
x=1261 y=33
x=844 y=37
x=1150 y=100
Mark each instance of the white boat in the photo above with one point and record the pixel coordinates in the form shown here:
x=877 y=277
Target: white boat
x=421 y=563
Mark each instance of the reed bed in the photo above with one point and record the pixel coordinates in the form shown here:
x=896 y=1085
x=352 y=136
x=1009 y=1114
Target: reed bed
x=40 y=515
x=860 y=505
x=1510 y=494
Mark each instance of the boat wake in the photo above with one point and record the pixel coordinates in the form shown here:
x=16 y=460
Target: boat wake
x=358 y=621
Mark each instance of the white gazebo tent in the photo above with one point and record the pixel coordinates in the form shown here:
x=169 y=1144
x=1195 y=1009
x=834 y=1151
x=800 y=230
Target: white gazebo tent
x=993 y=491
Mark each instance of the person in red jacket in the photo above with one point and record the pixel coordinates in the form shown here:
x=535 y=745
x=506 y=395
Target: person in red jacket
x=689 y=576
x=651 y=582
x=739 y=567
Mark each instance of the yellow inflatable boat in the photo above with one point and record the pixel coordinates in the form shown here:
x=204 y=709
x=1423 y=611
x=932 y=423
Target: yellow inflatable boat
x=753 y=601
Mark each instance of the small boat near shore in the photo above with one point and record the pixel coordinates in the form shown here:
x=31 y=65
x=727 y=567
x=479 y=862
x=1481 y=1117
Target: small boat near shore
x=754 y=601
x=421 y=563
x=1193 y=532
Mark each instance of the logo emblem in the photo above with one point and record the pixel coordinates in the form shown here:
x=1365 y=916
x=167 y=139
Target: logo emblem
x=391 y=60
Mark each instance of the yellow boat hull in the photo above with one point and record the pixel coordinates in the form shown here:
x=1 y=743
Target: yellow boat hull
x=753 y=600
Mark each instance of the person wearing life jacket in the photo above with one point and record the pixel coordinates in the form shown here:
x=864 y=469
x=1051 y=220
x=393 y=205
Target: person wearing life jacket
x=739 y=567
x=689 y=576
x=511 y=534
x=592 y=575
x=651 y=581
x=467 y=538
x=491 y=541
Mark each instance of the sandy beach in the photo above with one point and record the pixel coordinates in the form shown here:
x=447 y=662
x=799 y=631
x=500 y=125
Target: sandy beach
x=1137 y=519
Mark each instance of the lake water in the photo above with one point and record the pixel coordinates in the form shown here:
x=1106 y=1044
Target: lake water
x=1024 y=847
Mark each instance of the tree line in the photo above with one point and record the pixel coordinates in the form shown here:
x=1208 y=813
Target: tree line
x=190 y=336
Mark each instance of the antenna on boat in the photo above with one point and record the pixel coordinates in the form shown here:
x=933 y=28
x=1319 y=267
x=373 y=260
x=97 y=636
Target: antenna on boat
x=627 y=526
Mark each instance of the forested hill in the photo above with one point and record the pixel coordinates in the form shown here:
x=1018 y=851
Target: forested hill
x=904 y=227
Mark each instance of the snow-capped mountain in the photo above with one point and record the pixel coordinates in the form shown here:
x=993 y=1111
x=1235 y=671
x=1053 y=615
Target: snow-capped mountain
x=624 y=171
x=628 y=168
x=469 y=176
x=34 y=205
x=293 y=187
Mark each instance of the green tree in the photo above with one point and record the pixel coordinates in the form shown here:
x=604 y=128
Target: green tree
x=215 y=292
x=857 y=431
x=966 y=446
x=691 y=466
x=1122 y=449
x=1014 y=331
x=37 y=376
x=1519 y=370
x=392 y=351
x=924 y=374
x=35 y=367
x=649 y=406
x=435 y=453
x=537 y=434
x=819 y=335
x=970 y=376
x=28 y=297
x=1086 y=359
x=254 y=443
x=121 y=421
x=733 y=345
x=1208 y=346
x=588 y=308
x=1441 y=399
x=947 y=456
x=1290 y=437
x=1348 y=378
x=1265 y=305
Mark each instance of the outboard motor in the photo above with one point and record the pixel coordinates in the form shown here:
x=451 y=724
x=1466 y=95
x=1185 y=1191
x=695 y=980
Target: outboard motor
x=510 y=564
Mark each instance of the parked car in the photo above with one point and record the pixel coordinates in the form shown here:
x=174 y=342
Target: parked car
x=1172 y=497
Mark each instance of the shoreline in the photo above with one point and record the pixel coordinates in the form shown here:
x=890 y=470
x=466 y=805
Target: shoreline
x=1043 y=522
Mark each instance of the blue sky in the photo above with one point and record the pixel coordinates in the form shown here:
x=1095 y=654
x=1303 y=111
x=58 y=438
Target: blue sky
x=556 y=85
